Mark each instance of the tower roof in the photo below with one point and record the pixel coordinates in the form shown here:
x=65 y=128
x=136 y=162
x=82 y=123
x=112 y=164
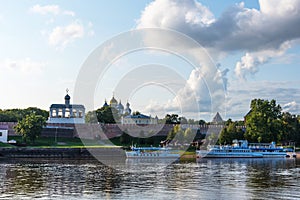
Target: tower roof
x=120 y=106
x=217 y=118
x=67 y=97
x=113 y=101
x=105 y=104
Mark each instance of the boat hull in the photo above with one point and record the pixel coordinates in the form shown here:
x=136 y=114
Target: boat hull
x=228 y=155
x=133 y=154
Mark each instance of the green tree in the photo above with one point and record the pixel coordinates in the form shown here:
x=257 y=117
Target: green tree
x=202 y=122
x=263 y=122
x=135 y=113
x=107 y=114
x=291 y=128
x=230 y=132
x=30 y=127
x=125 y=138
x=189 y=135
x=15 y=115
x=91 y=117
x=183 y=120
x=172 y=119
x=172 y=133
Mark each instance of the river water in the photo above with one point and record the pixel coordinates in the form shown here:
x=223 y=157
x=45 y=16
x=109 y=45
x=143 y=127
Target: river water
x=140 y=179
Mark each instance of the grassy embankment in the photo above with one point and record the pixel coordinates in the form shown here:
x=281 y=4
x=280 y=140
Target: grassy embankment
x=47 y=142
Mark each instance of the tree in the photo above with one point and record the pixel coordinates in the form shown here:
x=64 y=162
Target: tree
x=183 y=120
x=291 y=128
x=172 y=133
x=125 y=138
x=231 y=132
x=189 y=136
x=135 y=113
x=30 y=127
x=107 y=114
x=15 y=115
x=202 y=122
x=91 y=117
x=172 y=119
x=263 y=122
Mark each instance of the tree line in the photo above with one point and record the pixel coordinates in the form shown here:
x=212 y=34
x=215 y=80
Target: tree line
x=265 y=122
x=30 y=121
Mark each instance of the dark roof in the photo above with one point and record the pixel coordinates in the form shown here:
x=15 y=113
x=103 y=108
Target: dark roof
x=67 y=97
x=217 y=118
x=137 y=116
x=69 y=106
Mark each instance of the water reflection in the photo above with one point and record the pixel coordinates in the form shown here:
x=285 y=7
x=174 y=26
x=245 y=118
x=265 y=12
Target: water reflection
x=148 y=179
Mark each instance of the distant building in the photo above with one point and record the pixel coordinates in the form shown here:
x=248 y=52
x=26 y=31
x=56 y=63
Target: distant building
x=139 y=119
x=118 y=106
x=67 y=113
x=125 y=113
x=3 y=134
x=217 y=119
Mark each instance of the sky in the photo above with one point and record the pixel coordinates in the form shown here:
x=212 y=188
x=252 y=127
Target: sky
x=210 y=56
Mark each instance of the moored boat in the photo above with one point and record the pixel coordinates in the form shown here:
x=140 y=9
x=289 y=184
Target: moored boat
x=268 y=149
x=239 y=149
x=152 y=152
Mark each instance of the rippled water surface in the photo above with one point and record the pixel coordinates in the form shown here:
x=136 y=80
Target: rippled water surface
x=142 y=179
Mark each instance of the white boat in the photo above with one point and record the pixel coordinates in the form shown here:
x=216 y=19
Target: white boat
x=269 y=149
x=240 y=149
x=152 y=152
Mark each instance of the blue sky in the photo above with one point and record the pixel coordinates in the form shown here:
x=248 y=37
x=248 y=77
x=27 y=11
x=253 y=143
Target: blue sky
x=255 y=43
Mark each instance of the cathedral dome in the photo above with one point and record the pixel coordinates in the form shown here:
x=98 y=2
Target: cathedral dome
x=67 y=97
x=120 y=106
x=113 y=101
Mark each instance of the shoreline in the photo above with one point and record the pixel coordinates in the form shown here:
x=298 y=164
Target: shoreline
x=74 y=152
x=58 y=152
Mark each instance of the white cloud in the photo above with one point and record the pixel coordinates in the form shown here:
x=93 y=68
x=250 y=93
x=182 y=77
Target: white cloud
x=69 y=12
x=250 y=62
x=240 y=94
x=175 y=14
x=63 y=35
x=50 y=9
x=25 y=65
x=238 y=29
x=292 y=107
x=262 y=34
x=44 y=10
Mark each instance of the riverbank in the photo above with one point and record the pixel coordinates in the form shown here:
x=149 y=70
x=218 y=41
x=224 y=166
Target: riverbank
x=52 y=152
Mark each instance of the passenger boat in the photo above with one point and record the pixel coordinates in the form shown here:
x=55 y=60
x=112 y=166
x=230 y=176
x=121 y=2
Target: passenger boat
x=269 y=149
x=152 y=152
x=239 y=149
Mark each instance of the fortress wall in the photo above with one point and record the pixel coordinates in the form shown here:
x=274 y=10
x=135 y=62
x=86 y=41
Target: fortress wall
x=107 y=131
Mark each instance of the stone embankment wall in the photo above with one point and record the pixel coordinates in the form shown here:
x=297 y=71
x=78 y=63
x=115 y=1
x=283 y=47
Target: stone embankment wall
x=107 y=131
x=60 y=152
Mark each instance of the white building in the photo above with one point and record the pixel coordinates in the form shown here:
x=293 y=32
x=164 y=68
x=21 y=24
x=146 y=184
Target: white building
x=3 y=136
x=67 y=113
x=139 y=119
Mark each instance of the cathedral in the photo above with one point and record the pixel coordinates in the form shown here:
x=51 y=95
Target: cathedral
x=118 y=106
x=126 y=116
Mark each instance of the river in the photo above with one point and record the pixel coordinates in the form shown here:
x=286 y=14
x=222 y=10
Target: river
x=142 y=179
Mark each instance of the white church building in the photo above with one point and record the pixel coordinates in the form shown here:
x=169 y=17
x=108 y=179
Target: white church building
x=67 y=113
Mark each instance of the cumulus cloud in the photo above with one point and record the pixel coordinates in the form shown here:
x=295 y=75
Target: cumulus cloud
x=261 y=34
x=24 y=65
x=60 y=36
x=238 y=28
x=240 y=95
x=292 y=107
x=250 y=62
x=50 y=9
